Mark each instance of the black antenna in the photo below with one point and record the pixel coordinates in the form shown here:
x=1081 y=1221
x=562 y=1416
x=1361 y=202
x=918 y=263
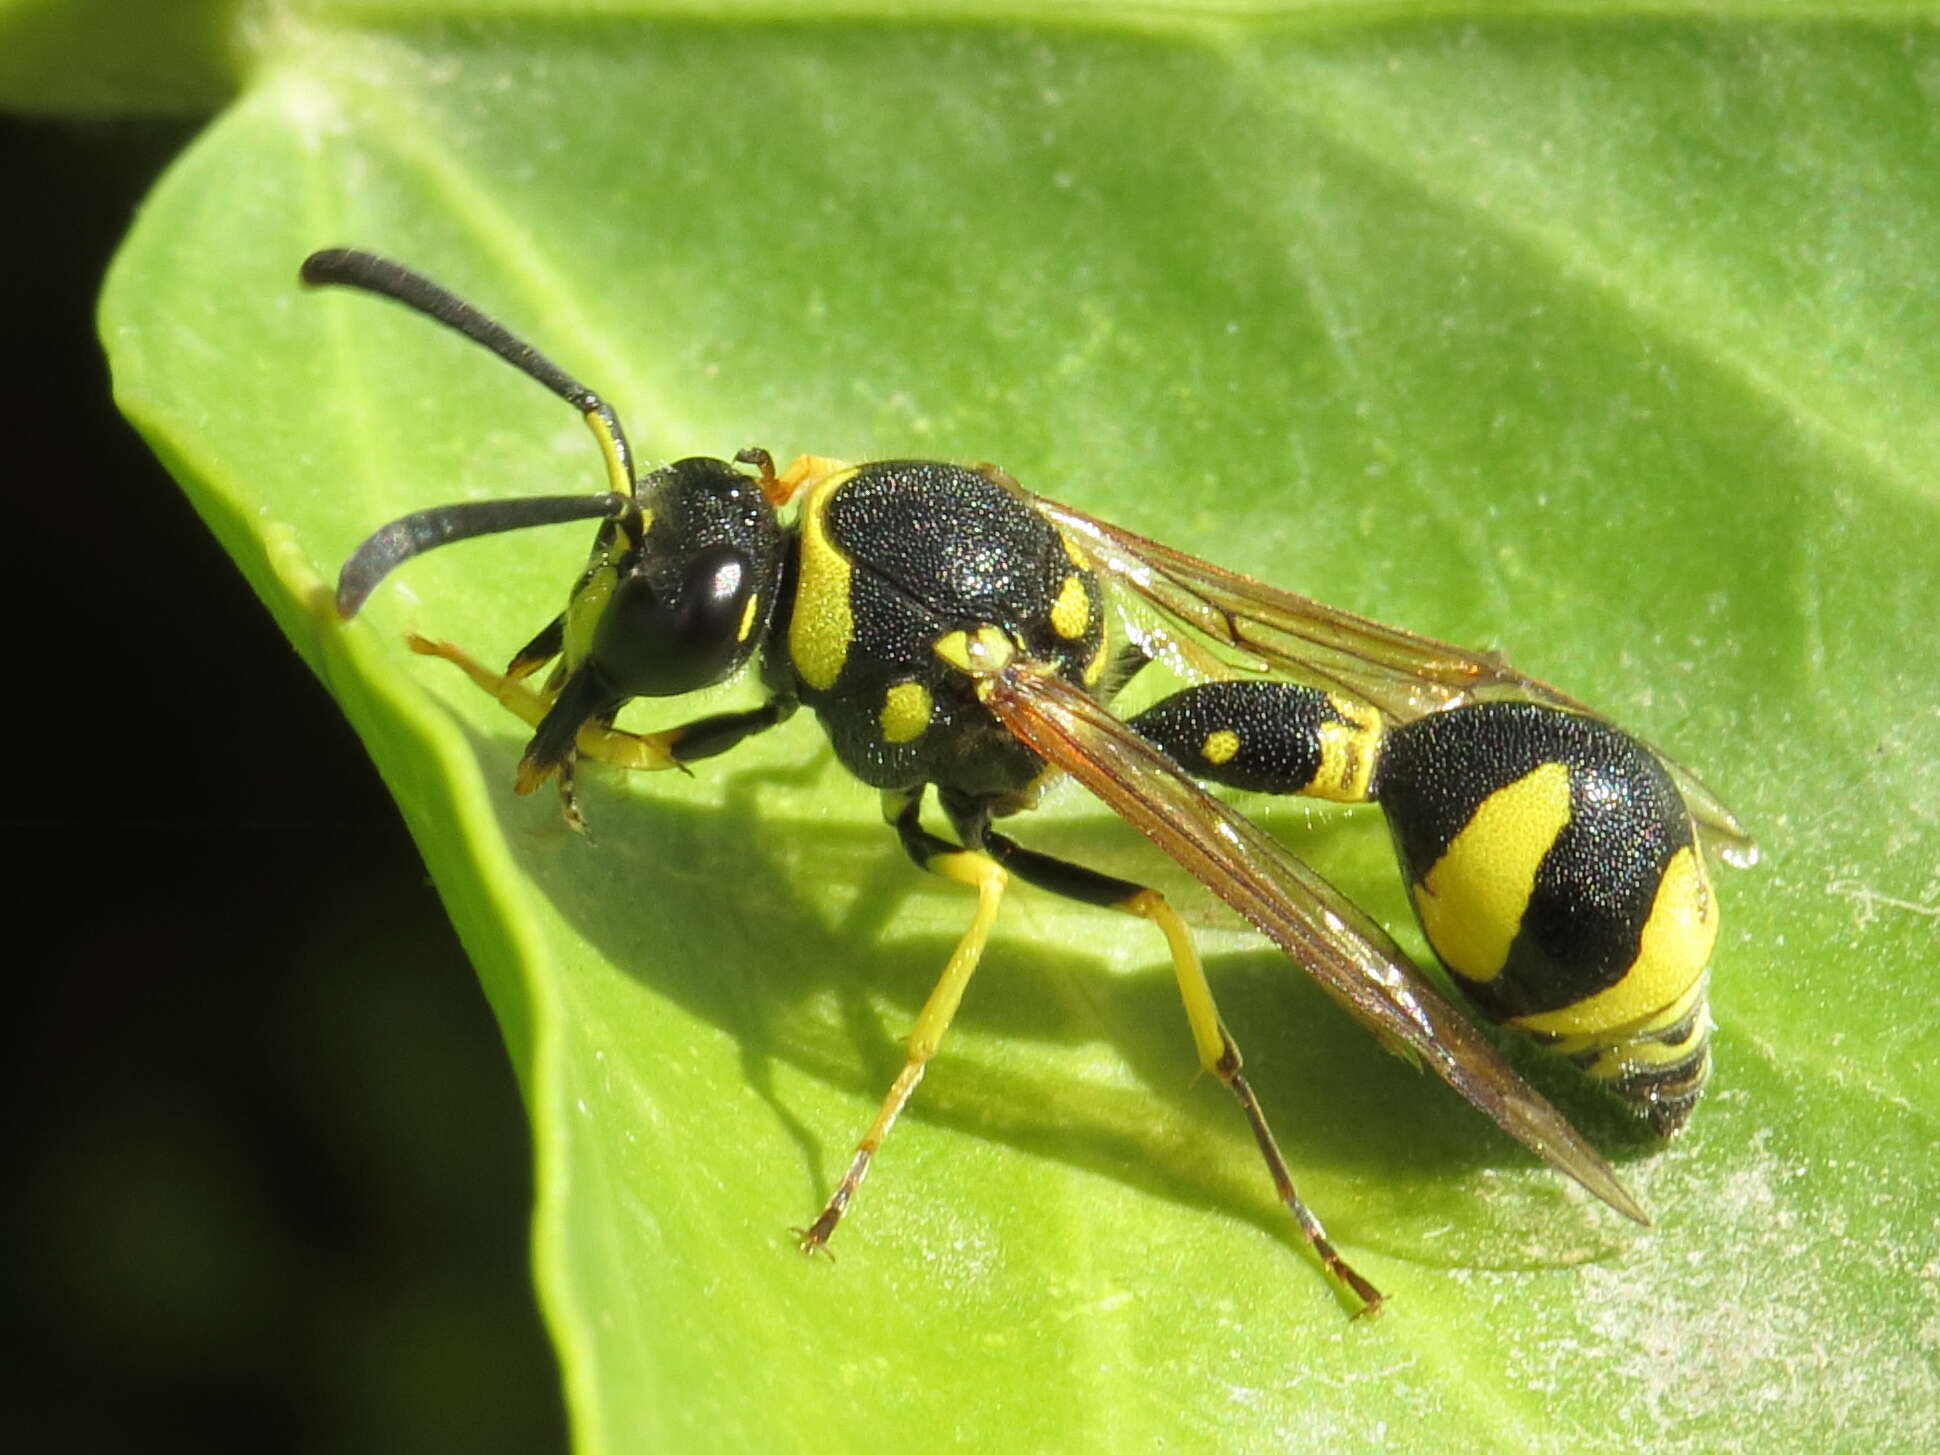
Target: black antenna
x=354 y=268
x=422 y=530
x=414 y=534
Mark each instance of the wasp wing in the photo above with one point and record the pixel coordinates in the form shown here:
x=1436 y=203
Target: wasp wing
x=1401 y=673
x=1352 y=957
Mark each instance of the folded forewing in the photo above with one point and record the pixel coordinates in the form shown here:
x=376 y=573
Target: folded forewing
x=1351 y=956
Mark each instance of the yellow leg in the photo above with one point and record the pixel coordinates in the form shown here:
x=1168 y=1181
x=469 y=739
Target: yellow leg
x=1219 y=1054
x=988 y=878
x=641 y=752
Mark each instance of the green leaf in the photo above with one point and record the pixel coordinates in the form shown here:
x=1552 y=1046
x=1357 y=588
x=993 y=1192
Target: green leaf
x=92 y=57
x=1604 y=336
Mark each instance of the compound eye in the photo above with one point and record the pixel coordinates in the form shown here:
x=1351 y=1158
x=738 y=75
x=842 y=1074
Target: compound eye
x=653 y=645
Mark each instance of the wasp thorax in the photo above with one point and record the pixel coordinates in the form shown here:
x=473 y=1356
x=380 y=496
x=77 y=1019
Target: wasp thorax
x=982 y=651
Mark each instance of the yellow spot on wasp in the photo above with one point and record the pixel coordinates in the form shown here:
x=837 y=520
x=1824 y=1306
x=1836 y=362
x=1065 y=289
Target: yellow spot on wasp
x=822 y=625
x=976 y=653
x=1671 y=955
x=1220 y=746
x=584 y=610
x=1071 y=612
x=1471 y=903
x=905 y=712
x=1348 y=750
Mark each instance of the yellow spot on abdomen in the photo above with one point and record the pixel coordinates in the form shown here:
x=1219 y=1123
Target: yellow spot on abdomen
x=1220 y=747
x=905 y=712
x=1472 y=901
x=1071 y=612
x=822 y=625
x=1671 y=955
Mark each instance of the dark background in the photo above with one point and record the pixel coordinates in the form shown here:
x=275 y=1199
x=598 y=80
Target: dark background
x=269 y=1178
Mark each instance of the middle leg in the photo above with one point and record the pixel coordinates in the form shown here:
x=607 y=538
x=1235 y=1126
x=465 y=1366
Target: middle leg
x=966 y=866
x=1218 y=1052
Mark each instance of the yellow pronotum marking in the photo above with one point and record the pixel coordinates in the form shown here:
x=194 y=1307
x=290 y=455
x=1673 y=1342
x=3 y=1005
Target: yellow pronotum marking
x=1348 y=751
x=1471 y=903
x=1671 y=955
x=822 y=625
x=1071 y=612
x=1220 y=747
x=905 y=712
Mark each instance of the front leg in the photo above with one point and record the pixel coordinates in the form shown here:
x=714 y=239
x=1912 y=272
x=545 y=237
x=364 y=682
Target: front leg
x=673 y=747
x=641 y=752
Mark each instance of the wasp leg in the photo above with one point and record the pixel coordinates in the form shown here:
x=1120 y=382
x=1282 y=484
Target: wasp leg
x=539 y=651
x=1218 y=1052
x=708 y=737
x=643 y=752
x=987 y=877
x=671 y=747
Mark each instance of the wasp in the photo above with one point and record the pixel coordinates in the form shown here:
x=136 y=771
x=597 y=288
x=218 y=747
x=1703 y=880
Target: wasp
x=954 y=632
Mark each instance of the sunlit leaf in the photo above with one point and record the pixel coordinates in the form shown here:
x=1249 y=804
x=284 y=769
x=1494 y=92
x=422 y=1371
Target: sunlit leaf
x=1603 y=336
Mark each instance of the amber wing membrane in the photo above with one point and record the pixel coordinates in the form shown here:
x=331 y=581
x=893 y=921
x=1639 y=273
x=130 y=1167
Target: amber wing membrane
x=1263 y=628
x=1352 y=957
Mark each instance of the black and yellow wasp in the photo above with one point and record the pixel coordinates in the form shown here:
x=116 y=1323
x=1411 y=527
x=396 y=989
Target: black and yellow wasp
x=953 y=631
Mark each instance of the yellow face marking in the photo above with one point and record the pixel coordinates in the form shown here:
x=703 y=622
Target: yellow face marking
x=1472 y=901
x=1071 y=612
x=584 y=610
x=822 y=625
x=747 y=618
x=1348 y=751
x=905 y=712
x=1671 y=955
x=1071 y=551
x=1219 y=747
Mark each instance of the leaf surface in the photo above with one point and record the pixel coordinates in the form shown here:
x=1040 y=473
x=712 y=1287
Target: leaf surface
x=1601 y=334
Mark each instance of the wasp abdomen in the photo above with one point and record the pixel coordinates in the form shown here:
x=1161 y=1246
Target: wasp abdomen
x=1268 y=737
x=1554 y=868
x=1550 y=859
